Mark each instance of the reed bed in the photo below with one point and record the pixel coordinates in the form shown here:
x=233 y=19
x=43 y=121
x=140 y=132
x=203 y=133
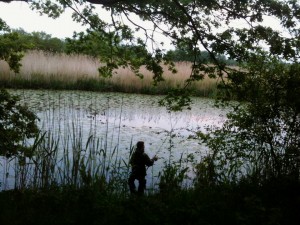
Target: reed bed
x=61 y=71
x=66 y=68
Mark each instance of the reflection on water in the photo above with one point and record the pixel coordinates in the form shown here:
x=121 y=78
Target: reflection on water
x=119 y=120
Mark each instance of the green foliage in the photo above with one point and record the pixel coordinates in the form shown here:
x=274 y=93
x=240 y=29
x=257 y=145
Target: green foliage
x=17 y=123
x=92 y=44
x=172 y=178
x=185 y=55
x=111 y=49
x=11 y=47
x=41 y=41
x=97 y=45
x=176 y=100
x=206 y=174
x=14 y=43
x=3 y=26
x=39 y=81
x=261 y=136
x=48 y=7
x=117 y=48
x=34 y=40
x=240 y=204
x=44 y=42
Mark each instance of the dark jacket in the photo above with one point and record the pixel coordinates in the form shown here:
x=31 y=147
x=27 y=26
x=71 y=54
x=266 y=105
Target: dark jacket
x=138 y=162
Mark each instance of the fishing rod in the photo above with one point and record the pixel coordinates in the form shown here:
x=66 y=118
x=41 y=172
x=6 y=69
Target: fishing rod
x=168 y=136
x=159 y=149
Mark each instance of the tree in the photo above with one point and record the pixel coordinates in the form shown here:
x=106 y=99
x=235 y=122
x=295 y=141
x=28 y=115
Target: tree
x=17 y=124
x=93 y=44
x=179 y=55
x=11 y=47
x=45 y=42
x=39 y=41
x=261 y=138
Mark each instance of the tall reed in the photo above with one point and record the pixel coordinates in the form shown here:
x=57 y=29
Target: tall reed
x=67 y=153
x=81 y=144
x=61 y=71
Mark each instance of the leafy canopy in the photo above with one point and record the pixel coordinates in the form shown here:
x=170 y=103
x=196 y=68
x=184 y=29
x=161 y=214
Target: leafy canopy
x=11 y=48
x=261 y=138
x=17 y=124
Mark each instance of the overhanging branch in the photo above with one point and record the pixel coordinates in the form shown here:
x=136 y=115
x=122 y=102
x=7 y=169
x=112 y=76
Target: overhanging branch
x=105 y=2
x=99 y=2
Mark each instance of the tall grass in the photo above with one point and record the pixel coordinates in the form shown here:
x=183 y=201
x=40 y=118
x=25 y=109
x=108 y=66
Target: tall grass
x=82 y=144
x=64 y=67
x=68 y=153
x=61 y=71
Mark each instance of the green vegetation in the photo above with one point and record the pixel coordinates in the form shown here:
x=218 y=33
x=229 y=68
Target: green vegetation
x=40 y=41
x=251 y=173
x=87 y=185
x=261 y=138
x=237 y=204
x=11 y=47
x=17 y=124
x=184 y=54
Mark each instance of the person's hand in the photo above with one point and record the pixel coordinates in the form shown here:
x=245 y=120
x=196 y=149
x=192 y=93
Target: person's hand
x=155 y=158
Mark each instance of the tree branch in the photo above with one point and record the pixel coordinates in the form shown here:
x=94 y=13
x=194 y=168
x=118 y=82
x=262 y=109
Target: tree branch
x=99 y=2
x=8 y=1
x=105 y=2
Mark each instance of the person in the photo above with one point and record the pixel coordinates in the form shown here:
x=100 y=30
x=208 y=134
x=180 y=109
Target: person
x=138 y=161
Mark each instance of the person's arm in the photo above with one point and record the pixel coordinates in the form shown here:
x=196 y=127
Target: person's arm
x=148 y=161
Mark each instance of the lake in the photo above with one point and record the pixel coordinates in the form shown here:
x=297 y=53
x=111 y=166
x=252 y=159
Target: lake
x=117 y=121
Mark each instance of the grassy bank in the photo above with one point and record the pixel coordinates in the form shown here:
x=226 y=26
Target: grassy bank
x=225 y=204
x=78 y=72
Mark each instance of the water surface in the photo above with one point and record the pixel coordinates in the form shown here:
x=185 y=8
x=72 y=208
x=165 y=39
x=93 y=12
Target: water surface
x=119 y=120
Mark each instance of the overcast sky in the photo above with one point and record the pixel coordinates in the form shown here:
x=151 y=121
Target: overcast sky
x=19 y=15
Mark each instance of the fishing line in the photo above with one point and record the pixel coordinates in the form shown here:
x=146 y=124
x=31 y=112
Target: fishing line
x=168 y=132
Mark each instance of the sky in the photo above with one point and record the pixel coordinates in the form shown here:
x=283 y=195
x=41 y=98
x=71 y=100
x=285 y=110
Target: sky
x=19 y=15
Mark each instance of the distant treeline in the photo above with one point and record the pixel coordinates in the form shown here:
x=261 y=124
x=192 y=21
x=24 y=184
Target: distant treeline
x=93 y=45
x=203 y=56
x=40 y=41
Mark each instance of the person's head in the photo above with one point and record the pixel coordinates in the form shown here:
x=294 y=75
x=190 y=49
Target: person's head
x=140 y=147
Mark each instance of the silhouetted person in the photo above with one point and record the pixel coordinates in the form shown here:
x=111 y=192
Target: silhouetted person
x=139 y=160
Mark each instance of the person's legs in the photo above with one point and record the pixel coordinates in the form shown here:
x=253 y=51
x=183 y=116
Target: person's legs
x=131 y=184
x=142 y=185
